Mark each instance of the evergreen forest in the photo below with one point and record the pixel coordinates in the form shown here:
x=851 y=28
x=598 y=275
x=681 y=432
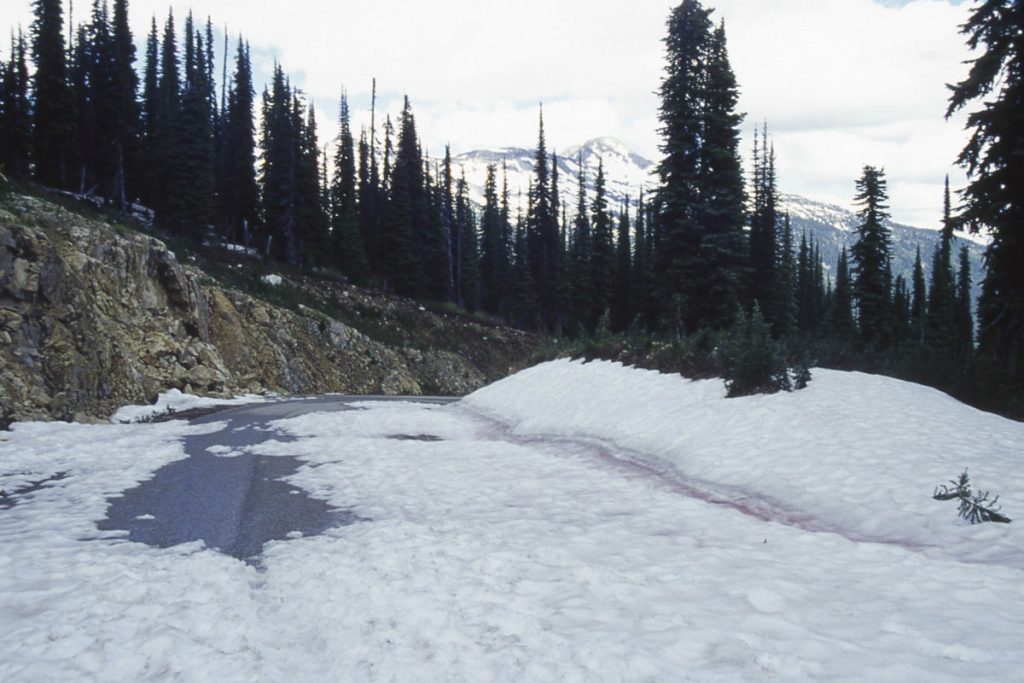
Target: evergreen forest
x=662 y=280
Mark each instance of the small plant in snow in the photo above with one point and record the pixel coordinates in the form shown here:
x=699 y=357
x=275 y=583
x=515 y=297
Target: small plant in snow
x=974 y=507
x=753 y=362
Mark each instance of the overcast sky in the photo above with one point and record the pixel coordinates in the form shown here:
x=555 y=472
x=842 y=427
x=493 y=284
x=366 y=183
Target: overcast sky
x=841 y=83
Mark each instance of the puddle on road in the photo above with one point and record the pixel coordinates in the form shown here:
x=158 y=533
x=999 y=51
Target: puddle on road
x=233 y=504
x=414 y=437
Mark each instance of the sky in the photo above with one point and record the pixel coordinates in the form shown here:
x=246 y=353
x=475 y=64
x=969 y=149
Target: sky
x=840 y=83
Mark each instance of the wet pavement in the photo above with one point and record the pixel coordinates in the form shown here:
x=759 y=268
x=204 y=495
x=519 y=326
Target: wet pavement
x=227 y=497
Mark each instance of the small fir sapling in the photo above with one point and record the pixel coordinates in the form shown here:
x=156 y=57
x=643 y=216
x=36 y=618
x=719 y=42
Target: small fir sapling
x=974 y=507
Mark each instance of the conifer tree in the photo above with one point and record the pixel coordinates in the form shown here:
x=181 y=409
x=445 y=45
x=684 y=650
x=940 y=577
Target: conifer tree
x=561 y=294
x=542 y=233
x=964 y=319
x=312 y=223
x=492 y=251
x=786 y=312
x=469 y=281
x=622 y=292
x=370 y=204
x=900 y=311
x=942 y=293
x=642 y=264
x=371 y=193
x=723 y=246
x=872 y=285
x=449 y=228
x=841 y=312
x=81 y=66
x=124 y=109
x=700 y=199
x=994 y=161
x=170 y=177
x=15 y=112
x=346 y=236
x=436 y=264
x=278 y=148
x=764 y=250
x=149 y=172
x=582 y=256
x=507 y=243
x=405 y=215
x=918 y=302
x=189 y=184
x=53 y=112
x=239 y=198
x=602 y=251
x=524 y=292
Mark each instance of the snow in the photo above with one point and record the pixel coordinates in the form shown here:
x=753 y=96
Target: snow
x=853 y=453
x=575 y=522
x=176 y=401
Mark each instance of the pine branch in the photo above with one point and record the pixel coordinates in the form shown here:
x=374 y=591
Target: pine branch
x=974 y=507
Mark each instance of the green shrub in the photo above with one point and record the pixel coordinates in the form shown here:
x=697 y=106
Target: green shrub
x=753 y=362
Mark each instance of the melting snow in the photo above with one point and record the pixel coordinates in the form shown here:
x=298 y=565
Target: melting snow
x=575 y=522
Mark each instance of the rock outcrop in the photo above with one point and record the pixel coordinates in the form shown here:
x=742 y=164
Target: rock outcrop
x=92 y=318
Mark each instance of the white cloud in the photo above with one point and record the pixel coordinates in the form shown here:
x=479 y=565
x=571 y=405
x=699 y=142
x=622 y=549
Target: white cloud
x=842 y=83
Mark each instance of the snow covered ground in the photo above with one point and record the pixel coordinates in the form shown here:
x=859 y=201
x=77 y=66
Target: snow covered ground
x=571 y=523
x=174 y=401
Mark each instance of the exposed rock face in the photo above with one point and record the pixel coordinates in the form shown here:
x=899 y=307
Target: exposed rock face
x=91 y=319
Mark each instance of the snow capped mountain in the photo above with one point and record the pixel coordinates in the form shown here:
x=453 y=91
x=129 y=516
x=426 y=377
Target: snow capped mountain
x=627 y=173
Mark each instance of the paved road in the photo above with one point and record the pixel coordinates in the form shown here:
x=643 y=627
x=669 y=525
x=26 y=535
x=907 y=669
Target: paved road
x=236 y=503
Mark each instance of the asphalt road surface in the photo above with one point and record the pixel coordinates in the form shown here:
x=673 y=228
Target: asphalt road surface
x=234 y=504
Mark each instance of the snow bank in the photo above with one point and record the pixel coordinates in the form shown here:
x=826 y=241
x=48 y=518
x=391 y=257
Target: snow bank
x=176 y=401
x=854 y=454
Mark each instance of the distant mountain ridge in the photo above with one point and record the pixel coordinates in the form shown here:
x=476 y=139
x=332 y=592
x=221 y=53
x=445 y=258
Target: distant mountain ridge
x=627 y=173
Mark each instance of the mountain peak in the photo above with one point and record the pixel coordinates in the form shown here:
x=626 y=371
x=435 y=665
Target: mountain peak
x=600 y=146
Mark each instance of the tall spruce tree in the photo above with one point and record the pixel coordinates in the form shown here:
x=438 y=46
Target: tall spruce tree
x=582 y=255
x=53 y=112
x=465 y=218
x=602 y=251
x=542 y=233
x=149 y=173
x=700 y=198
x=787 y=314
x=405 y=218
x=493 y=250
x=239 y=199
x=313 y=226
x=561 y=286
x=764 y=248
x=942 y=293
x=872 y=261
x=170 y=176
x=841 y=311
x=278 y=146
x=15 y=112
x=524 y=291
x=918 y=302
x=622 y=292
x=994 y=160
x=346 y=236
x=189 y=203
x=124 y=108
x=642 y=264
x=723 y=246
x=964 y=318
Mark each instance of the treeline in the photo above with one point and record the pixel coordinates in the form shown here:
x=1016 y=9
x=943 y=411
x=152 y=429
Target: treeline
x=697 y=254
